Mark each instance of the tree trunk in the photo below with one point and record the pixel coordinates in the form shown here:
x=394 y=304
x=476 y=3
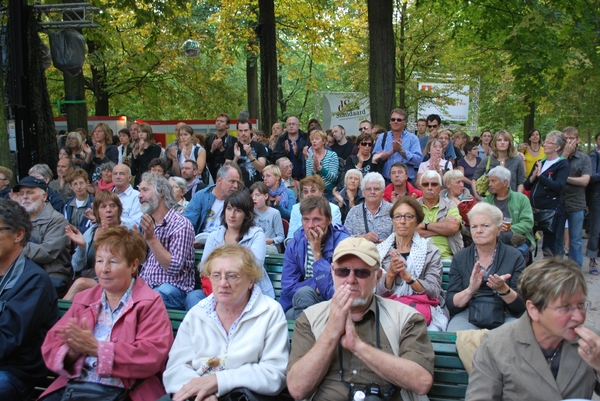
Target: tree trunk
x=402 y=80
x=99 y=85
x=529 y=120
x=268 y=64
x=252 y=83
x=381 y=60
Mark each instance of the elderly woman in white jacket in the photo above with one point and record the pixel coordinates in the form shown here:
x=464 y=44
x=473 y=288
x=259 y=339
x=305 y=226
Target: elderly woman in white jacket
x=234 y=338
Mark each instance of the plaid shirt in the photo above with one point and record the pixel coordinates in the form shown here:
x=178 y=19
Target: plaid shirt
x=176 y=234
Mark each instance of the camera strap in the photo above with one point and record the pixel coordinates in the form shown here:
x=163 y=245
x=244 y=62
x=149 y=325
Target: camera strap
x=378 y=341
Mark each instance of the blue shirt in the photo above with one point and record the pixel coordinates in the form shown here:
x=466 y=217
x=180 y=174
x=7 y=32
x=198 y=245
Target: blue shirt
x=410 y=144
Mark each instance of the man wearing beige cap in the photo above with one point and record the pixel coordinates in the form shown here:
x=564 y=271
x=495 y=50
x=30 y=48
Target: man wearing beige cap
x=359 y=341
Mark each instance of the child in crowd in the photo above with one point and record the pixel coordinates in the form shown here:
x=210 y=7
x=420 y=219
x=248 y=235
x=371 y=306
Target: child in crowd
x=267 y=218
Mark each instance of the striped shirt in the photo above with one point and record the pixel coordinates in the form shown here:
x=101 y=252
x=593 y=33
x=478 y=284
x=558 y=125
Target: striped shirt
x=176 y=234
x=329 y=168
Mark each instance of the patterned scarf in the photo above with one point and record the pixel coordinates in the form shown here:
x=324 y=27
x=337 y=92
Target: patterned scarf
x=282 y=193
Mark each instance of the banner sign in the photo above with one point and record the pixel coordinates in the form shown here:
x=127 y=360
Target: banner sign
x=453 y=106
x=346 y=109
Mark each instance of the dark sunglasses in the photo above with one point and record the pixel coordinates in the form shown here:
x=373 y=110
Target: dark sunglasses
x=358 y=273
x=369 y=144
x=364 y=129
x=431 y=184
x=432 y=126
x=397 y=120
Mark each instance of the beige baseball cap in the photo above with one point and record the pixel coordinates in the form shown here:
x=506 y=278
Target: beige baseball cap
x=359 y=247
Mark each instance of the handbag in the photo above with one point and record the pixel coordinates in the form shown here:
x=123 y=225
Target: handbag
x=483 y=182
x=543 y=220
x=87 y=391
x=486 y=311
x=421 y=302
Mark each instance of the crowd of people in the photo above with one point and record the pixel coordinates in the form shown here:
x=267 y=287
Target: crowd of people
x=365 y=223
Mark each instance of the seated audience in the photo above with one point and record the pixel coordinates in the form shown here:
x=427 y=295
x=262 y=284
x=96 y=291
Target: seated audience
x=350 y=195
x=482 y=292
x=363 y=160
x=517 y=224
x=6 y=176
x=74 y=143
x=285 y=168
x=106 y=183
x=237 y=227
x=169 y=267
x=468 y=164
x=128 y=196
x=49 y=246
x=312 y=185
x=267 y=218
x=235 y=338
x=179 y=187
x=456 y=192
x=371 y=219
x=43 y=172
x=77 y=209
x=158 y=166
x=412 y=265
x=435 y=149
x=399 y=186
x=117 y=334
x=442 y=218
x=206 y=207
x=306 y=277
x=29 y=307
x=64 y=167
x=281 y=197
x=107 y=212
x=189 y=172
x=536 y=357
x=358 y=332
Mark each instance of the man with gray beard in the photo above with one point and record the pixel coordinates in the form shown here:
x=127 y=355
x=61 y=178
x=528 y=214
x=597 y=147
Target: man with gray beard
x=49 y=246
x=359 y=341
x=169 y=266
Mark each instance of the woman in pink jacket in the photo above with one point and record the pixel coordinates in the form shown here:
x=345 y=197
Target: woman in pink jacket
x=116 y=336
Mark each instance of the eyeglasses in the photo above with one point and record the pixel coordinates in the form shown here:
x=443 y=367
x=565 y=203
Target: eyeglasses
x=358 y=273
x=397 y=120
x=364 y=128
x=430 y=184
x=372 y=189
x=549 y=143
x=406 y=217
x=563 y=310
x=231 y=278
x=432 y=126
x=367 y=144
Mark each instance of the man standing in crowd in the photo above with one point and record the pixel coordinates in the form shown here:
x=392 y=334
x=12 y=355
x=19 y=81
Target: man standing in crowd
x=442 y=218
x=49 y=247
x=134 y=132
x=422 y=132
x=359 y=341
x=573 y=197
x=249 y=155
x=343 y=146
x=128 y=196
x=63 y=168
x=290 y=145
x=189 y=172
x=205 y=209
x=306 y=278
x=398 y=145
x=29 y=307
x=365 y=126
x=169 y=266
x=216 y=144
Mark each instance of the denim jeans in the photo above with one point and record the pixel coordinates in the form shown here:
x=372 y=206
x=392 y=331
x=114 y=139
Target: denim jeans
x=12 y=388
x=575 y=236
x=303 y=298
x=594 y=224
x=173 y=297
x=192 y=298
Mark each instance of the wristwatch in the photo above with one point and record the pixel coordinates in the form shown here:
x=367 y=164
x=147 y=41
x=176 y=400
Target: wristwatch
x=426 y=225
x=412 y=280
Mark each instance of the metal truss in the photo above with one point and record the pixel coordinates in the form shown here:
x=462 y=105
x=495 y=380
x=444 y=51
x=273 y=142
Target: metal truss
x=66 y=15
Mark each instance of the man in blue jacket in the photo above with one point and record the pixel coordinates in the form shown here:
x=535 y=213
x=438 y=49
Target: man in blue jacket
x=306 y=278
x=28 y=307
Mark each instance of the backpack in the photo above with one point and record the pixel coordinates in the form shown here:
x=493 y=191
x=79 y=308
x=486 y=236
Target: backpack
x=205 y=176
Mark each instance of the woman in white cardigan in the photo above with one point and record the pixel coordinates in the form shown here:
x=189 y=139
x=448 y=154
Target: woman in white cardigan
x=234 y=338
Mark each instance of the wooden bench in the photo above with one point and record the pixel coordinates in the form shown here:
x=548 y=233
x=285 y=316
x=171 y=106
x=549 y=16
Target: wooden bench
x=450 y=377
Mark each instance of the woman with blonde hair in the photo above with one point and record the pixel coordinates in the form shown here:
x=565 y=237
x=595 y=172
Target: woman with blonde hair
x=323 y=162
x=102 y=152
x=503 y=154
x=281 y=197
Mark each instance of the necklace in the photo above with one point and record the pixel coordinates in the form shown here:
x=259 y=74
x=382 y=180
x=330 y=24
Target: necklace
x=551 y=358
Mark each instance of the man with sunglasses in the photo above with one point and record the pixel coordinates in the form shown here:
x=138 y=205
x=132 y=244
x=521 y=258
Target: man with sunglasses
x=365 y=126
x=359 y=341
x=434 y=122
x=306 y=277
x=442 y=219
x=398 y=145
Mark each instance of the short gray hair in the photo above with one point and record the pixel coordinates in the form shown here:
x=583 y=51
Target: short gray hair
x=353 y=171
x=559 y=139
x=372 y=177
x=42 y=169
x=162 y=187
x=500 y=172
x=452 y=175
x=107 y=166
x=181 y=183
x=429 y=174
x=486 y=209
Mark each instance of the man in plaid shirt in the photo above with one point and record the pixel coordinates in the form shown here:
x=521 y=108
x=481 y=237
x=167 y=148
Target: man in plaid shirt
x=169 y=267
